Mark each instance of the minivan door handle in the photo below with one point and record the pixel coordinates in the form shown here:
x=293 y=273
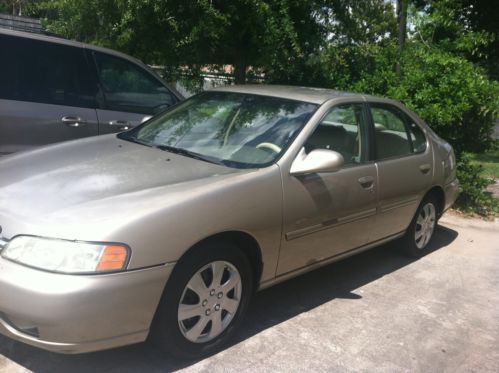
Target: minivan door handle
x=73 y=122
x=425 y=168
x=120 y=125
x=367 y=182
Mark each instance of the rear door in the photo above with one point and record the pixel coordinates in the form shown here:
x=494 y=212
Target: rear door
x=47 y=93
x=404 y=162
x=129 y=93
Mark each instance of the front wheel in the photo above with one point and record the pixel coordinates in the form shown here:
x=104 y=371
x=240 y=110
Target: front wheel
x=204 y=301
x=421 y=230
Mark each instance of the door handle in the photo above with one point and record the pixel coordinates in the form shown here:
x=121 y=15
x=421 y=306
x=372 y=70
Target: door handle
x=73 y=122
x=120 y=125
x=425 y=168
x=367 y=182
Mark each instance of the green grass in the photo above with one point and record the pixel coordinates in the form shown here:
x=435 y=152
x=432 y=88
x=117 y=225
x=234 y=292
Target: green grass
x=489 y=161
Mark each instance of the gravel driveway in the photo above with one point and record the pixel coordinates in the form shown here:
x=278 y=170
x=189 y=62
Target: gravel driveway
x=378 y=311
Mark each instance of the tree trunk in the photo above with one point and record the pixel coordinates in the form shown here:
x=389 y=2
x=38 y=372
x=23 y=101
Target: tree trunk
x=240 y=72
x=402 y=31
x=241 y=60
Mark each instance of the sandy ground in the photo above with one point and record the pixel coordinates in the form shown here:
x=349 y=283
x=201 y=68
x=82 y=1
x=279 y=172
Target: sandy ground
x=376 y=312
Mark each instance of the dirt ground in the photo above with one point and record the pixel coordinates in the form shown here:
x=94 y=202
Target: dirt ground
x=375 y=312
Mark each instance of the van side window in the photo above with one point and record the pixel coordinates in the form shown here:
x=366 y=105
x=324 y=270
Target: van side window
x=44 y=72
x=129 y=88
x=341 y=130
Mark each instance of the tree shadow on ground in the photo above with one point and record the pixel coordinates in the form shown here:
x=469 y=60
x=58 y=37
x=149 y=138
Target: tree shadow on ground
x=268 y=308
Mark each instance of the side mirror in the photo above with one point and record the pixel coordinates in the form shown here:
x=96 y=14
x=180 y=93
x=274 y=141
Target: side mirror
x=319 y=160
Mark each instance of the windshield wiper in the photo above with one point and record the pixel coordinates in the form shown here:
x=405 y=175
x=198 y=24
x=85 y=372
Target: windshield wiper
x=133 y=139
x=187 y=153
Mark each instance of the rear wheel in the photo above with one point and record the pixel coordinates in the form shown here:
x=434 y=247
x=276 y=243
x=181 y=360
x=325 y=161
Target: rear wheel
x=204 y=301
x=420 y=232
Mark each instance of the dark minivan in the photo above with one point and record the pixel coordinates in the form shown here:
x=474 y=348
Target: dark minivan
x=53 y=90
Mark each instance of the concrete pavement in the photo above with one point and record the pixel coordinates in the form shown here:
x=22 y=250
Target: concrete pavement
x=377 y=311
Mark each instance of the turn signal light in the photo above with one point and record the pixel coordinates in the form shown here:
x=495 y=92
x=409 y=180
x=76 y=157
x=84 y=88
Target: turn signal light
x=113 y=258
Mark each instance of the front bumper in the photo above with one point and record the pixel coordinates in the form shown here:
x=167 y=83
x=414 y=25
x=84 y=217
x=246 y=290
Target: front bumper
x=451 y=192
x=78 y=313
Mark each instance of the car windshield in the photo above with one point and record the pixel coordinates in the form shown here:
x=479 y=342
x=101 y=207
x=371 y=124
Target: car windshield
x=233 y=129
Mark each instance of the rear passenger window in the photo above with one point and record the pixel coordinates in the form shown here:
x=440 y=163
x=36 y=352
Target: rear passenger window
x=341 y=130
x=390 y=131
x=128 y=87
x=417 y=137
x=396 y=134
x=44 y=72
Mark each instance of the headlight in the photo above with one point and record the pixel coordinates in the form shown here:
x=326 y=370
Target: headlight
x=66 y=256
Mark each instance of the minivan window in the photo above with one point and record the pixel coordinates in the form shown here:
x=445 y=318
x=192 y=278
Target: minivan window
x=38 y=71
x=129 y=88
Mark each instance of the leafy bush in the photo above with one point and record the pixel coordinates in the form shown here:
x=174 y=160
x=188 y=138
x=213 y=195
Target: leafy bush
x=472 y=197
x=451 y=94
x=460 y=104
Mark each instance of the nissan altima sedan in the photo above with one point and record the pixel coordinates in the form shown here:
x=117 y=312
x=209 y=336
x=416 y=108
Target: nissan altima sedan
x=168 y=229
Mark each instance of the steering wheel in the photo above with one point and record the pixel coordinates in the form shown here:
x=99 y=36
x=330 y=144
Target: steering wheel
x=270 y=146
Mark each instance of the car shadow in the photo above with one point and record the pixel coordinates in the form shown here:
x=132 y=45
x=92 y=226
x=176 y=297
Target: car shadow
x=268 y=308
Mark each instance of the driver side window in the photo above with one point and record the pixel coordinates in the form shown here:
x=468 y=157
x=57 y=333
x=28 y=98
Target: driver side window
x=129 y=88
x=341 y=130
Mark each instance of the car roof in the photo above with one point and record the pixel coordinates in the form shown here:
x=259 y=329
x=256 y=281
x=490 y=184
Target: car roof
x=306 y=94
x=63 y=41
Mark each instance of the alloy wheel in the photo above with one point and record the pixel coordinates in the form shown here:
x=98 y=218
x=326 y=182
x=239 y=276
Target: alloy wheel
x=425 y=225
x=209 y=301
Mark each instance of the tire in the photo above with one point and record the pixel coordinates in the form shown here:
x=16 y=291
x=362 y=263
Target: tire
x=420 y=233
x=215 y=315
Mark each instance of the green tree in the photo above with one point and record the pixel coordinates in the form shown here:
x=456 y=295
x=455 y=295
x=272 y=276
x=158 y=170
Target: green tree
x=352 y=34
x=91 y=21
x=469 y=28
x=16 y=7
x=241 y=33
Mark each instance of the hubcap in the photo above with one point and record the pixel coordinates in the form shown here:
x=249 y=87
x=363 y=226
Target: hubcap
x=209 y=302
x=425 y=225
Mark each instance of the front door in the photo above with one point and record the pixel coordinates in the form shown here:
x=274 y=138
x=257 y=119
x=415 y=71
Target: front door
x=130 y=93
x=327 y=214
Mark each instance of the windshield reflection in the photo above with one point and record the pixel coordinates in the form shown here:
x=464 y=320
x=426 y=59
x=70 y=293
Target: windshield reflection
x=226 y=128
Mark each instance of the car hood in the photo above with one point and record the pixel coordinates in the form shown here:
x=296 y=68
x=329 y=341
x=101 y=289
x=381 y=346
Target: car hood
x=91 y=181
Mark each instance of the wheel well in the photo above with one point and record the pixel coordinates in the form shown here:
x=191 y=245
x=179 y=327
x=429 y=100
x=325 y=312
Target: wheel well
x=438 y=193
x=246 y=243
